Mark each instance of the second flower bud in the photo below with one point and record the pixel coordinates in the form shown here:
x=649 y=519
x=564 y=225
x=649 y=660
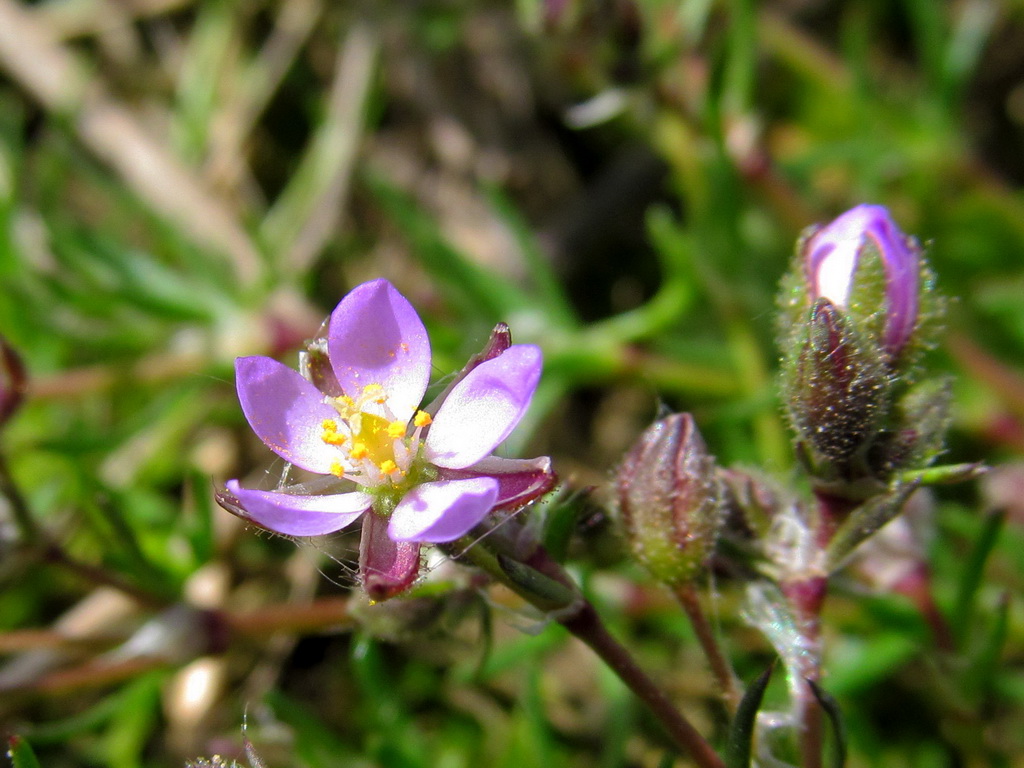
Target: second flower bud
x=668 y=499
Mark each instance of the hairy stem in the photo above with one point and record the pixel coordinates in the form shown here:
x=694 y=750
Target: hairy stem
x=535 y=580
x=689 y=599
x=806 y=599
x=587 y=626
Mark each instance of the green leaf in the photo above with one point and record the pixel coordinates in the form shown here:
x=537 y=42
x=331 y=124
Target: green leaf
x=986 y=661
x=835 y=718
x=741 y=731
x=21 y=753
x=135 y=722
x=970 y=580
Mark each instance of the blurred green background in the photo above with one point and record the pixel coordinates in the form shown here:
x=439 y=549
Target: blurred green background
x=623 y=183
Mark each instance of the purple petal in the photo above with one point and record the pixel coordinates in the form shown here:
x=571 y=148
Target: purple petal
x=376 y=337
x=386 y=567
x=484 y=408
x=295 y=515
x=520 y=481
x=286 y=412
x=497 y=343
x=833 y=253
x=443 y=510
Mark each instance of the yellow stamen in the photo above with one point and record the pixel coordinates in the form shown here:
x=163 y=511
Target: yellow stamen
x=359 y=451
x=333 y=438
x=388 y=467
x=337 y=468
x=329 y=425
x=346 y=402
x=396 y=429
x=421 y=419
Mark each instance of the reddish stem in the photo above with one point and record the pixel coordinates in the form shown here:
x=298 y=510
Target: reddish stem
x=806 y=599
x=689 y=599
x=586 y=625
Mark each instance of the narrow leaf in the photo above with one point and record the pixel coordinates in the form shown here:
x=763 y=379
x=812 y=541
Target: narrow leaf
x=741 y=731
x=21 y=753
x=986 y=661
x=970 y=580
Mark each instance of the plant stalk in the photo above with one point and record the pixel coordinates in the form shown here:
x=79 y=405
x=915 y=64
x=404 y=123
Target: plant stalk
x=578 y=616
x=689 y=599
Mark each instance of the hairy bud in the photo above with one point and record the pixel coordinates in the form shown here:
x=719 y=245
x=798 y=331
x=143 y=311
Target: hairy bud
x=857 y=309
x=669 y=501
x=836 y=393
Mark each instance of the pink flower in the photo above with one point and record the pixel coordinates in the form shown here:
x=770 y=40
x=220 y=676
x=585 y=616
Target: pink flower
x=421 y=475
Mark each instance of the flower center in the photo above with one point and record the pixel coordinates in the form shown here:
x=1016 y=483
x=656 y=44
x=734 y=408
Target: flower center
x=373 y=450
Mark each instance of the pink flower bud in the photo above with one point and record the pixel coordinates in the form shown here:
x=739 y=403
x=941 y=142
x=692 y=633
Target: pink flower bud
x=669 y=500
x=834 y=255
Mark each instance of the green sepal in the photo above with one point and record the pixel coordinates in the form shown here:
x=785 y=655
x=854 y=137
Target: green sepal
x=541 y=590
x=945 y=474
x=741 y=730
x=866 y=520
x=867 y=302
x=919 y=426
x=559 y=521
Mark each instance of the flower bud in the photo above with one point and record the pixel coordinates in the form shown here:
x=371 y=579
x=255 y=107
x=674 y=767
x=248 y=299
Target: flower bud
x=836 y=390
x=862 y=262
x=669 y=501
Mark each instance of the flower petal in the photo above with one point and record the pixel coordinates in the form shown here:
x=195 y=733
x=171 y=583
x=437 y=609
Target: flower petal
x=286 y=412
x=484 y=408
x=443 y=510
x=519 y=480
x=295 y=515
x=386 y=567
x=376 y=337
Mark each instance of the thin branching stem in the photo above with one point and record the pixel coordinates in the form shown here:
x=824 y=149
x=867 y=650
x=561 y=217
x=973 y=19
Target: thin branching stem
x=583 y=621
x=721 y=668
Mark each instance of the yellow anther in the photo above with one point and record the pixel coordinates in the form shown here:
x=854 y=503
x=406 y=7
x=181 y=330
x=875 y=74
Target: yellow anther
x=346 y=402
x=396 y=429
x=421 y=419
x=329 y=425
x=388 y=467
x=359 y=451
x=333 y=438
x=372 y=389
x=337 y=468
